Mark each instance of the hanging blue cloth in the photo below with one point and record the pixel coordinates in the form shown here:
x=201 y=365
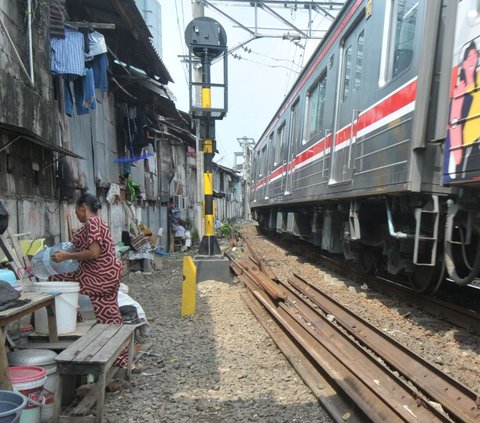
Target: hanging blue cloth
x=88 y=87
x=84 y=90
x=100 y=67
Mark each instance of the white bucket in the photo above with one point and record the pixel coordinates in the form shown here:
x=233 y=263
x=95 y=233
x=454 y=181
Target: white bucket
x=46 y=360
x=66 y=306
x=29 y=381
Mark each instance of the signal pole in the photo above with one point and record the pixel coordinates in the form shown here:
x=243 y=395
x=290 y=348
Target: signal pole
x=206 y=39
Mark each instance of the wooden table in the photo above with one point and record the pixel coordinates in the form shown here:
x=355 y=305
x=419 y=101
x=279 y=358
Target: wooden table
x=38 y=301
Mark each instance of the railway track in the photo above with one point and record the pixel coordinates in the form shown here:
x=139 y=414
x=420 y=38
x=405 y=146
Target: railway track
x=354 y=362
x=458 y=314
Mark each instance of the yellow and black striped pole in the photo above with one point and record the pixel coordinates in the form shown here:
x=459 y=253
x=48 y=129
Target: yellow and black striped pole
x=209 y=245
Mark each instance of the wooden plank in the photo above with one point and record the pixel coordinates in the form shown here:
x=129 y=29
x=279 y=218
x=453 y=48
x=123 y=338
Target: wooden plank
x=37 y=300
x=115 y=344
x=102 y=384
x=57 y=408
x=11 y=256
x=80 y=344
x=52 y=323
x=76 y=419
x=90 y=353
x=60 y=345
x=132 y=217
x=18 y=249
x=89 y=400
x=5 y=383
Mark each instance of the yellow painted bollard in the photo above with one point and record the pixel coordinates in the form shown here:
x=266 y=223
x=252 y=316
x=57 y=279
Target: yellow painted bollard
x=189 y=286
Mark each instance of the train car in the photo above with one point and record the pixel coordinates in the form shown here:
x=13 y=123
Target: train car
x=374 y=154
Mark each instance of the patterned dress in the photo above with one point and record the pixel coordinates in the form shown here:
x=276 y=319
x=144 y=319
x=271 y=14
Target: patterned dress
x=99 y=278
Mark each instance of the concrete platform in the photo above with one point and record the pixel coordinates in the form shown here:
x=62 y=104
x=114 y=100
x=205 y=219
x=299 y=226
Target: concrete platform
x=215 y=268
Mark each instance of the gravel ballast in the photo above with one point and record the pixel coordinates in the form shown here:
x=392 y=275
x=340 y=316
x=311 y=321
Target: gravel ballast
x=218 y=366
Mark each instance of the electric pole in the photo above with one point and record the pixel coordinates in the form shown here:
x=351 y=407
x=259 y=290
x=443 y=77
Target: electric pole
x=198 y=10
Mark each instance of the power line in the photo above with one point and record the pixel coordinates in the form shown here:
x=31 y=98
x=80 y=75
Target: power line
x=180 y=33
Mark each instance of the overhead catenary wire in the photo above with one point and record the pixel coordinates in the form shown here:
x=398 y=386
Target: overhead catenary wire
x=180 y=34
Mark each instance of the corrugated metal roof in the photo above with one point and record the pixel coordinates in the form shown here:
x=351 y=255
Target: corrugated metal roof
x=30 y=136
x=58 y=14
x=131 y=39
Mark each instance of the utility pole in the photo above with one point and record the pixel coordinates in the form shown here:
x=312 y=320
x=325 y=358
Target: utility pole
x=198 y=10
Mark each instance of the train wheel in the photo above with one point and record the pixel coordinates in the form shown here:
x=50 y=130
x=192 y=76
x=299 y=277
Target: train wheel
x=427 y=279
x=368 y=259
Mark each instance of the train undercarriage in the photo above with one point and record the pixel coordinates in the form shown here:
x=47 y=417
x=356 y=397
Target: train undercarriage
x=426 y=238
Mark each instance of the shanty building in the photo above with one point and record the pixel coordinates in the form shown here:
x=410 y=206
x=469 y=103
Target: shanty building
x=86 y=108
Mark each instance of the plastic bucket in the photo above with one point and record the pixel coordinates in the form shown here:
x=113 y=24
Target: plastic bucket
x=66 y=306
x=46 y=360
x=11 y=406
x=28 y=381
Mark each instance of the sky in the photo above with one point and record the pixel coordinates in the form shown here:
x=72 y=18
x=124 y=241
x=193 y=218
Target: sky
x=258 y=81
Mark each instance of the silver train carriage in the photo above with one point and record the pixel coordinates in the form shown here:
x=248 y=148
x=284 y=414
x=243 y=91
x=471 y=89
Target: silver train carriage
x=374 y=153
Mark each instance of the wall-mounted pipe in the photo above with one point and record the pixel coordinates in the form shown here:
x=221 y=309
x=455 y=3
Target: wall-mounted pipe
x=30 y=43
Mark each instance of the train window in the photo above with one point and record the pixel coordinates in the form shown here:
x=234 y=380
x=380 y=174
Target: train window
x=280 y=141
x=294 y=127
x=401 y=34
x=347 y=72
x=316 y=108
x=359 y=61
x=271 y=148
x=263 y=156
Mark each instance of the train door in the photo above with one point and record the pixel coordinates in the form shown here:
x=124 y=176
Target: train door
x=292 y=142
x=349 y=97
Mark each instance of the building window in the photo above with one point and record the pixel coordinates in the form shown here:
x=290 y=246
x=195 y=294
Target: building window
x=400 y=37
x=316 y=107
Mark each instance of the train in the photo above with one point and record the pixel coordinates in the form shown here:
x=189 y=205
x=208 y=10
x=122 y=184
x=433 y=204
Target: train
x=374 y=153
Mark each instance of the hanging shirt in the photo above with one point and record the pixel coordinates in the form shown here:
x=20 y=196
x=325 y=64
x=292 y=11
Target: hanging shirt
x=97 y=43
x=68 y=55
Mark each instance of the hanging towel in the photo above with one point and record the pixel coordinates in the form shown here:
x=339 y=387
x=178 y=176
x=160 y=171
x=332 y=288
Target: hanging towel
x=67 y=54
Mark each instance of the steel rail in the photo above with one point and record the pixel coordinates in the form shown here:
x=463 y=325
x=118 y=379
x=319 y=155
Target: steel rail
x=452 y=313
x=339 y=407
x=376 y=391
x=455 y=398
x=373 y=407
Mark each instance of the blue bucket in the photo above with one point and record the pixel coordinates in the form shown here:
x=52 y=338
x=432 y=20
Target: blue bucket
x=11 y=406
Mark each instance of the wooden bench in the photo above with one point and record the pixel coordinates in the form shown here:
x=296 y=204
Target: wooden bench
x=95 y=352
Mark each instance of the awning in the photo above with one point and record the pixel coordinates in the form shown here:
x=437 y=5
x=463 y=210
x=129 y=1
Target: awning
x=30 y=136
